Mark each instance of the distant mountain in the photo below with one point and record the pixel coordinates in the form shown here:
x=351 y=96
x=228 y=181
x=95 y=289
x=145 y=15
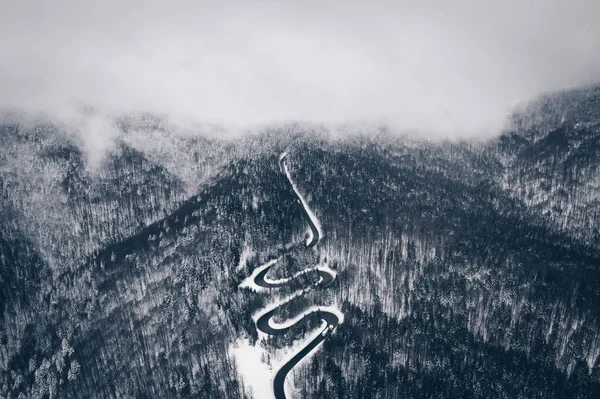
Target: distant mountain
x=464 y=269
x=552 y=160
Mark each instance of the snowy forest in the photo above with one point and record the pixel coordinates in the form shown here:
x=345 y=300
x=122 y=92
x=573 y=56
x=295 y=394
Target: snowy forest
x=463 y=269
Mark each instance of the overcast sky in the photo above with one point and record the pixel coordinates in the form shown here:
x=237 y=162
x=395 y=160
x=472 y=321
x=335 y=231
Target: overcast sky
x=453 y=67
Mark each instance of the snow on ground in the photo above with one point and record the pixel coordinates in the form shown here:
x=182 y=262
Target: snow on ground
x=295 y=275
x=249 y=281
x=246 y=253
x=256 y=374
x=290 y=392
x=277 y=302
x=291 y=322
x=250 y=360
x=310 y=213
x=288 y=387
x=325 y=268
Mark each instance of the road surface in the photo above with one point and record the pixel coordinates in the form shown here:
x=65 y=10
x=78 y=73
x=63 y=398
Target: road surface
x=326 y=277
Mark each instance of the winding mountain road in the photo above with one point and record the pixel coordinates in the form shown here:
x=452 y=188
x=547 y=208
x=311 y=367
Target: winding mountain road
x=326 y=276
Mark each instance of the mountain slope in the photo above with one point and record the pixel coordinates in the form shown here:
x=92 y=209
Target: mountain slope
x=464 y=269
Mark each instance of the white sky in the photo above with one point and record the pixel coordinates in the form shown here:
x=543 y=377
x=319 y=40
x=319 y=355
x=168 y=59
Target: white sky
x=450 y=67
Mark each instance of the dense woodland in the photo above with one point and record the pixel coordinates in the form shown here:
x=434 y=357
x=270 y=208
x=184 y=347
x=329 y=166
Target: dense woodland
x=464 y=269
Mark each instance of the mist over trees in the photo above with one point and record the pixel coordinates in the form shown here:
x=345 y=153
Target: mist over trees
x=464 y=269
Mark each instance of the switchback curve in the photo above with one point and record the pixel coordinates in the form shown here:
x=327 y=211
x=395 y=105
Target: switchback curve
x=330 y=319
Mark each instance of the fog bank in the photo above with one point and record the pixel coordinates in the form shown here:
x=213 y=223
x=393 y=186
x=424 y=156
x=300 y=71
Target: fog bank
x=445 y=68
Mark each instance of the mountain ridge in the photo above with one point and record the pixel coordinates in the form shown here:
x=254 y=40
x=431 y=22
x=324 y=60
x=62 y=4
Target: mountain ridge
x=441 y=251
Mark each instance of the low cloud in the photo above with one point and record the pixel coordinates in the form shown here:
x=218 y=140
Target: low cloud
x=446 y=68
x=98 y=133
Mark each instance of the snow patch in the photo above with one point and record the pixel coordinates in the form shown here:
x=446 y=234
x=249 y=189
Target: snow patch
x=312 y=309
x=310 y=213
x=249 y=281
x=297 y=346
x=246 y=253
x=295 y=275
x=327 y=270
x=255 y=373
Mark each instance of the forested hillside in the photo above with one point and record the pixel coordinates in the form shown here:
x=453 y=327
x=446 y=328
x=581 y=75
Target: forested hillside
x=464 y=269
